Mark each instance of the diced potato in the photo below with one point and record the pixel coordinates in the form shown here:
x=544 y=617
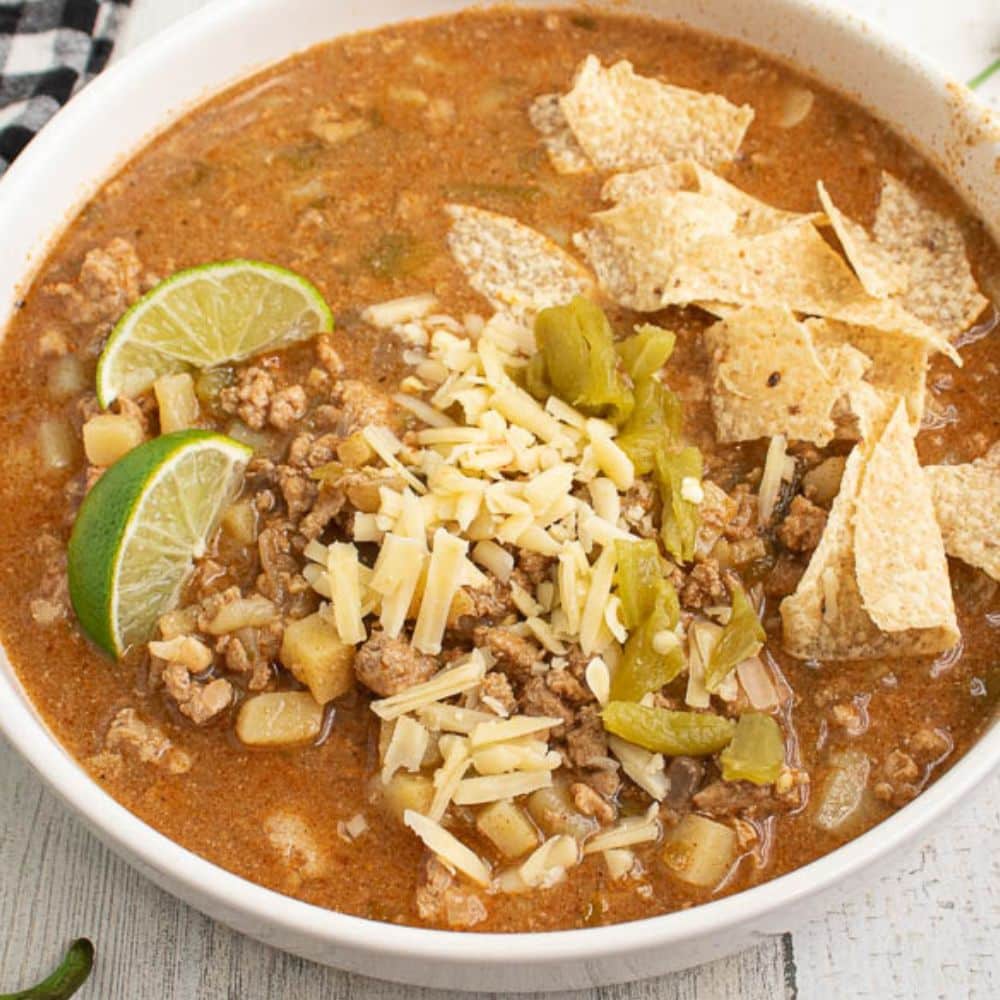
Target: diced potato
x=244 y=612
x=108 y=436
x=239 y=521
x=699 y=851
x=408 y=791
x=551 y=809
x=279 y=718
x=355 y=451
x=313 y=652
x=58 y=444
x=844 y=798
x=177 y=402
x=66 y=377
x=506 y=825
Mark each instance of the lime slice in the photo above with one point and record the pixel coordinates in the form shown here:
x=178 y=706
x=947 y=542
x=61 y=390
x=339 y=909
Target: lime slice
x=141 y=527
x=206 y=316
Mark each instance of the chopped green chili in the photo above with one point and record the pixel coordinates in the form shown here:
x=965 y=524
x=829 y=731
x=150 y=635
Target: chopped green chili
x=757 y=752
x=691 y=734
x=680 y=516
x=742 y=638
x=576 y=345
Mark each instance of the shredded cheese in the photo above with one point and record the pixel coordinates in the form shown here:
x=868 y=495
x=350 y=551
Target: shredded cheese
x=345 y=592
x=454 y=680
x=444 y=575
x=406 y=748
x=448 y=848
x=494 y=787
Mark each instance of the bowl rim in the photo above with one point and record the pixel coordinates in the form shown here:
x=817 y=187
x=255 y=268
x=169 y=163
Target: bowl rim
x=176 y=865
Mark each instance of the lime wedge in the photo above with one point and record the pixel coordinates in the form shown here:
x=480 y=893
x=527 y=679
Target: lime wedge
x=141 y=527
x=206 y=316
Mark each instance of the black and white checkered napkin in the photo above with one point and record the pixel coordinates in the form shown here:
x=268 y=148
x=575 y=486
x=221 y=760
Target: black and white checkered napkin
x=48 y=50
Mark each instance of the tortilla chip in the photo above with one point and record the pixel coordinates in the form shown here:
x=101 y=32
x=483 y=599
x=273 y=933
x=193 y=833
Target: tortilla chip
x=898 y=362
x=682 y=247
x=967 y=502
x=564 y=151
x=634 y=247
x=879 y=273
x=516 y=268
x=753 y=215
x=767 y=379
x=929 y=247
x=624 y=121
x=899 y=556
x=880 y=561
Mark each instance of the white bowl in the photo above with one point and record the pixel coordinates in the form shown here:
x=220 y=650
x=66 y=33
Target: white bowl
x=232 y=38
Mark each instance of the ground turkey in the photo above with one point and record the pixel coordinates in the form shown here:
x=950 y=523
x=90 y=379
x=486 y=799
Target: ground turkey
x=388 y=666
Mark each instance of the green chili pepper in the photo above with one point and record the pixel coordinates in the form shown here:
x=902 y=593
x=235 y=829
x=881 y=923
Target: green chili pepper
x=646 y=351
x=66 y=980
x=654 y=424
x=580 y=363
x=691 y=734
x=680 y=516
x=742 y=638
x=757 y=752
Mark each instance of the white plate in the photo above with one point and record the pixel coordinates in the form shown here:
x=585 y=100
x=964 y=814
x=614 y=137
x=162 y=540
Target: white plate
x=109 y=121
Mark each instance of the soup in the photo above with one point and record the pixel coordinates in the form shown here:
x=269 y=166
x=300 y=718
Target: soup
x=585 y=560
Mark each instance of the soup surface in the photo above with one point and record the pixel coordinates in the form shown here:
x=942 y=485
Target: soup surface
x=338 y=164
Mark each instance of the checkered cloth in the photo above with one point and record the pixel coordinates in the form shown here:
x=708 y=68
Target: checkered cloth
x=48 y=50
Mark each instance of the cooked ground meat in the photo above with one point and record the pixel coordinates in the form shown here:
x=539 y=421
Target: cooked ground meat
x=729 y=798
x=586 y=741
x=497 y=691
x=704 y=586
x=564 y=684
x=439 y=899
x=538 y=699
x=388 y=666
x=590 y=803
x=149 y=744
x=803 y=526
x=108 y=284
x=514 y=655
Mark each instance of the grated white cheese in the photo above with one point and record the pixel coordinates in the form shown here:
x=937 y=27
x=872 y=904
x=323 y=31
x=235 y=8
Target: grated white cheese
x=770 y=480
x=384 y=315
x=444 y=718
x=495 y=558
x=444 y=576
x=494 y=787
x=448 y=848
x=427 y=413
x=598 y=593
x=644 y=768
x=546 y=866
x=510 y=729
x=598 y=679
x=343 y=571
x=455 y=751
x=691 y=490
x=463 y=676
x=611 y=460
x=406 y=748
x=626 y=832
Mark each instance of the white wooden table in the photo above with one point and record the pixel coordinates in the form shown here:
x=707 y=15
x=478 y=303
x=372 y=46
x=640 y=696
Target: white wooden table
x=928 y=928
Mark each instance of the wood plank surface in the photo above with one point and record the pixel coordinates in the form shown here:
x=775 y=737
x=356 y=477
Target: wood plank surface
x=927 y=928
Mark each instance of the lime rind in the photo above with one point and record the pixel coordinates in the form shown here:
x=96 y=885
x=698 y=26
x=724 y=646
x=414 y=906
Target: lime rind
x=206 y=316
x=141 y=527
